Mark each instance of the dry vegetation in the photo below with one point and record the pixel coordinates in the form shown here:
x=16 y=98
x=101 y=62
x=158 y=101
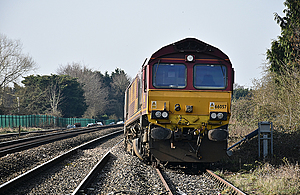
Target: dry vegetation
x=277 y=103
x=16 y=130
x=267 y=179
x=277 y=174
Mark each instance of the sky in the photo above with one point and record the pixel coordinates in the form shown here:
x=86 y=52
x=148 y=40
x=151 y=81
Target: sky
x=105 y=35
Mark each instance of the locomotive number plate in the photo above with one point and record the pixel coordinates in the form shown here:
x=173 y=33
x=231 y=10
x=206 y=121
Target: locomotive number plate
x=218 y=106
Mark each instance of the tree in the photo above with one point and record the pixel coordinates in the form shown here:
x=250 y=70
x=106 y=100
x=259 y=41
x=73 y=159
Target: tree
x=276 y=96
x=104 y=94
x=95 y=92
x=73 y=104
x=34 y=96
x=119 y=81
x=284 y=50
x=284 y=67
x=55 y=97
x=13 y=63
x=239 y=92
x=58 y=95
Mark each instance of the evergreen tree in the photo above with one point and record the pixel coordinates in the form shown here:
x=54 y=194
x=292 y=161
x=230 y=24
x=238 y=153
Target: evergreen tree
x=284 y=53
x=56 y=95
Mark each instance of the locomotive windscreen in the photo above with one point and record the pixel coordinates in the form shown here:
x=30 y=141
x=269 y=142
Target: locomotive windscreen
x=210 y=76
x=169 y=75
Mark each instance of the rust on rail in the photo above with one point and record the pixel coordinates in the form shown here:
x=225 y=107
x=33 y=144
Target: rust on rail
x=221 y=180
x=164 y=182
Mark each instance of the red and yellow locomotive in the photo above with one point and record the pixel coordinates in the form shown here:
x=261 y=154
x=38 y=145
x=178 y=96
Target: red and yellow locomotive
x=177 y=108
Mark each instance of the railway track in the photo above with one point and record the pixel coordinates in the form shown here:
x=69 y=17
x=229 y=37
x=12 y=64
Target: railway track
x=231 y=189
x=82 y=187
x=221 y=186
x=39 y=183
x=124 y=174
x=26 y=143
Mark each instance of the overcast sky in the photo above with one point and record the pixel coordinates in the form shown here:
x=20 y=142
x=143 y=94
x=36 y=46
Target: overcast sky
x=104 y=35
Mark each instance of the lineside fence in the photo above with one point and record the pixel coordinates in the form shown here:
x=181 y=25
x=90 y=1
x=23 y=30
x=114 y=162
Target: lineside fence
x=40 y=121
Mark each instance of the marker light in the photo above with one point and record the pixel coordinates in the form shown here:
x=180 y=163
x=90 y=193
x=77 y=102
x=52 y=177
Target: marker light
x=165 y=114
x=220 y=115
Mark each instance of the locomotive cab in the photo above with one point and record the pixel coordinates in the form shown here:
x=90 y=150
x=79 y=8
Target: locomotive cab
x=178 y=107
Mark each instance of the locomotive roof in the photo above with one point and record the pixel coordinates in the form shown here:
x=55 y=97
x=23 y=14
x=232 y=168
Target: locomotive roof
x=192 y=45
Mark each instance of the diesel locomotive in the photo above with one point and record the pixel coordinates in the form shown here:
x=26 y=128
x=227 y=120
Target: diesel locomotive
x=177 y=108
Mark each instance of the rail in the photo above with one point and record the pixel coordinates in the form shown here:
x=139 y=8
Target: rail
x=26 y=143
x=223 y=182
x=164 y=181
x=81 y=188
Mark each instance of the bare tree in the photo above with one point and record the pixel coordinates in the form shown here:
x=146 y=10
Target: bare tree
x=96 y=94
x=55 y=97
x=13 y=63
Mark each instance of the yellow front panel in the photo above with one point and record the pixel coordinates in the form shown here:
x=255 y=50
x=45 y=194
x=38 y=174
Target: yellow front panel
x=202 y=103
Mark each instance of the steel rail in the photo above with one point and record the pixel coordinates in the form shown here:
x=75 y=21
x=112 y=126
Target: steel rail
x=224 y=182
x=82 y=187
x=26 y=143
x=164 y=181
x=31 y=173
x=7 y=135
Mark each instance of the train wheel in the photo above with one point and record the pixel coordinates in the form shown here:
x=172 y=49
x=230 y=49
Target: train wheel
x=137 y=148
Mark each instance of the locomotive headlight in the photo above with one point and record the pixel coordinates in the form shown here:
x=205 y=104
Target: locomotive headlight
x=213 y=115
x=220 y=115
x=165 y=114
x=158 y=114
x=190 y=58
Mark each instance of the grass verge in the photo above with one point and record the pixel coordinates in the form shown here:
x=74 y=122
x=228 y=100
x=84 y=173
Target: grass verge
x=267 y=179
x=278 y=174
x=16 y=130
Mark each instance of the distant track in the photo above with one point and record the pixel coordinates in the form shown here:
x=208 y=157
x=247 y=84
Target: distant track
x=8 y=135
x=39 y=169
x=26 y=143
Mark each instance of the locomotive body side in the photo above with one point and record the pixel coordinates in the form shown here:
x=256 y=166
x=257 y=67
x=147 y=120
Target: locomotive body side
x=178 y=108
